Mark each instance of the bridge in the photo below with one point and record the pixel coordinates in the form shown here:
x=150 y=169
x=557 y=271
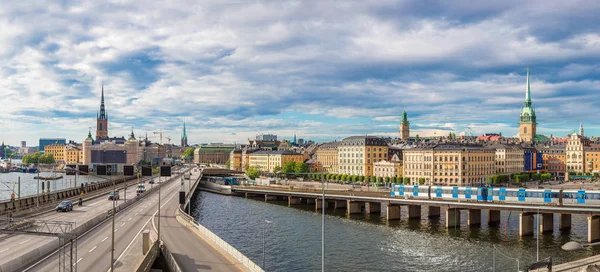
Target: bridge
x=36 y=241
x=391 y=206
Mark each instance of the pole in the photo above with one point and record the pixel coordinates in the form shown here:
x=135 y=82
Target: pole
x=263 y=232
x=38 y=189
x=19 y=192
x=323 y=228
x=125 y=189
x=112 y=249
x=159 y=185
x=494 y=259
x=538 y=237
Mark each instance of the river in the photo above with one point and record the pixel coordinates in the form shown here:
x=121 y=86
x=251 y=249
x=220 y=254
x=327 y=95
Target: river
x=369 y=243
x=29 y=185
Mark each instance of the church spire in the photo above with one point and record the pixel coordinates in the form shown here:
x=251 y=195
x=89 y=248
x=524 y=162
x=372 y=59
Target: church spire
x=184 y=136
x=404 y=118
x=102 y=115
x=528 y=91
x=581 y=129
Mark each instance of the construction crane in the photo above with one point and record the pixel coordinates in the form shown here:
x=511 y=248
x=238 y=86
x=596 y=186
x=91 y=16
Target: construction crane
x=160 y=135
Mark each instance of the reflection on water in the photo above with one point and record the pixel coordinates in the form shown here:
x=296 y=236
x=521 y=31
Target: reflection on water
x=370 y=243
x=29 y=185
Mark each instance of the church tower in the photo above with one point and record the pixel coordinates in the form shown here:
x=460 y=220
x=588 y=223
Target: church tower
x=102 y=120
x=527 y=125
x=184 y=141
x=404 y=127
x=581 y=129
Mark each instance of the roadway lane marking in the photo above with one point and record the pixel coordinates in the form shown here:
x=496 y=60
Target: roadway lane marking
x=77 y=261
x=116 y=230
x=24 y=241
x=4 y=250
x=140 y=231
x=135 y=214
x=123 y=224
x=129 y=219
x=92 y=249
x=104 y=238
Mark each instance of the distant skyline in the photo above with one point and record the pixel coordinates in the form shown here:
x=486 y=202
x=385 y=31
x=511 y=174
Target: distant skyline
x=324 y=70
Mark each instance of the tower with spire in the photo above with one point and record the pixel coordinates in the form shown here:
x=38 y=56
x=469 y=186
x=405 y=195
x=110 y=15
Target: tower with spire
x=404 y=127
x=102 y=119
x=184 y=141
x=581 y=129
x=528 y=122
x=294 y=142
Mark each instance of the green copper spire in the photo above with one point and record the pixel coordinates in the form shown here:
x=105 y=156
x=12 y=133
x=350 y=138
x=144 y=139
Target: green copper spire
x=404 y=118
x=184 y=136
x=528 y=111
x=89 y=137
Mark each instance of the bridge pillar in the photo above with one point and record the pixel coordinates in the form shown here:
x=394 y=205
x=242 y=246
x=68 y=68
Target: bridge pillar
x=434 y=212
x=414 y=211
x=546 y=222
x=564 y=221
x=270 y=198
x=593 y=228
x=319 y=204
x=340 y=204
x=493 y=217
x=293 y=201
x=353 y=207
x=526 y=224
x=393 y=212
x=452 y=217
x=373 y=207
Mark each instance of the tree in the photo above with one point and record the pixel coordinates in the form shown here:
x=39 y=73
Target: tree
x=289 y=167
x=228 y=164
x=406 y=180
x=378 y=179
x=387 y=180
x=373 y=179
x=417 y=137
x=421 y=181
x=301 y=167
x=252 y=173
x=188 y=154
x=596 y=175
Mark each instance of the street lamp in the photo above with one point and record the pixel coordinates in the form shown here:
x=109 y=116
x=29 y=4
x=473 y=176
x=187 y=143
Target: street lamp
x=322 y=218
x=263 y=234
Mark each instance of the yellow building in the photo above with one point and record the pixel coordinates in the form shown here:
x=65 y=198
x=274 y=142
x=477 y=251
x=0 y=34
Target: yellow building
x=235 y=160
x=73 y=154
x=449 y=164
x=268 y=161
x=57 y=151
x=575 y=153
x=510 y=159
x=327 y=157
x=357 y=154
x=592 y=158
x=387 y=169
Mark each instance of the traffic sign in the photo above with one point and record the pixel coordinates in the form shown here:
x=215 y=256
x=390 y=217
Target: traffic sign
x=12 y=195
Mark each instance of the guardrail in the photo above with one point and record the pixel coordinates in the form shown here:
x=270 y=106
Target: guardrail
x=202 y=231
x=171 y=263
x=149 y=258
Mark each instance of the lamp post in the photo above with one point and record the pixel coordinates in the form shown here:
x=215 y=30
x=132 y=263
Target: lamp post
x=322 y=217
x=263 y=240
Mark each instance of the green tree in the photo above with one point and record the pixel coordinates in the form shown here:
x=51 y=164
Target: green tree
x=535 y=177
x=406 y=180
x=246 y=167
x=228 y=164
x=378 y=179
x=421 y=181
x=301 y=167
x=188 y=154
x=276 y=169
x=289 y=167
x=417 y=137
x=596 y=175
x=252 y=173
x=386 y=179
x=373 y=179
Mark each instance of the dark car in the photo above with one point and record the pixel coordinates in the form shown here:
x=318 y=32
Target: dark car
x=151 y=181
x=64 y=206
x=113 y=196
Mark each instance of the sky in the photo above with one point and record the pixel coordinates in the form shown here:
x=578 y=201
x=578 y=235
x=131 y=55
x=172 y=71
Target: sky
x=322 y=70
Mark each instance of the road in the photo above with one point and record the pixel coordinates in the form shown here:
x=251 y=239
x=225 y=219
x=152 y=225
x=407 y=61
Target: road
x=93 y=248
x=18 y=246
x=191 y=252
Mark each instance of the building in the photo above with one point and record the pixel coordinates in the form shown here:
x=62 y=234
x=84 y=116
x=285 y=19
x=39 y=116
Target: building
x=575 y=152
x=510 y=159
x=284 y=146
x=528 y=123
x=23 y=144
x=327 y=157
x=357 y=154
x=47 y=141
x=532 y=159
x=266 y=137
x=235 y=160
x=212 y=154
x=592 y=158
x=269 y=161
x=184 y=140
x=391 y=168
x=449 y=164
x=404 y=127
x=73 y=154
x=553 y=159
x=2 y=150
x=56 y=150
x=116 y=155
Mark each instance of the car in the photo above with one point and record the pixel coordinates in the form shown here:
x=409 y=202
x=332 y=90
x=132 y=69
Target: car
x=151 y=181
x=64 y=206
x=113 y=196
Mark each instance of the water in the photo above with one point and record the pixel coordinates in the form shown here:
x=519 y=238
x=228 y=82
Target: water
x=293 y=239
x=29 y=185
